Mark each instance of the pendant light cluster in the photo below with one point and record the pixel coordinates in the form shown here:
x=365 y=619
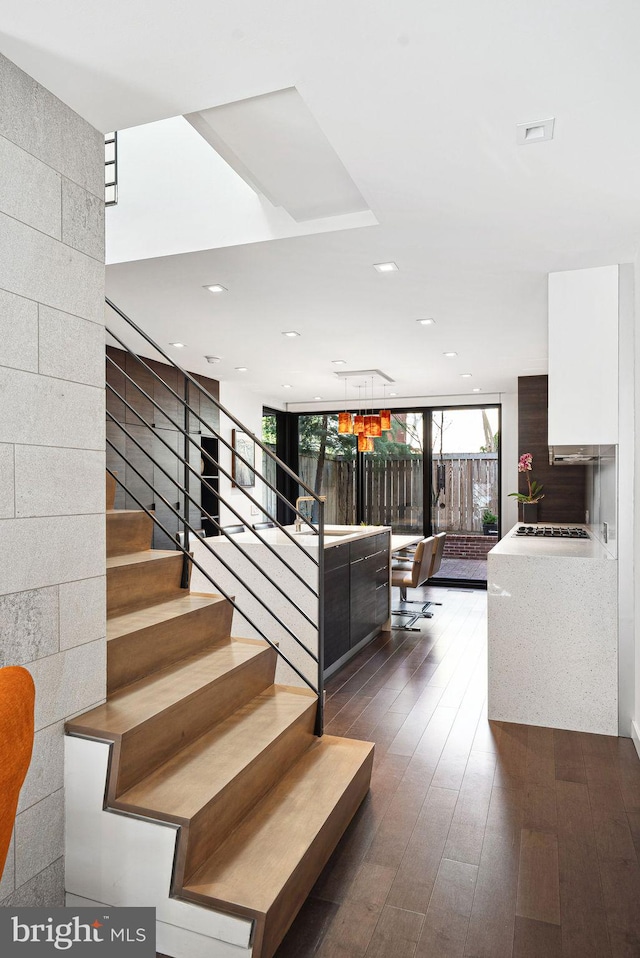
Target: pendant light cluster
x=366 y=427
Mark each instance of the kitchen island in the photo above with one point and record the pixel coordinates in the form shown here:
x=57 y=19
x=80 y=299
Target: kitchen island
x=356 y=587
x=552 y=626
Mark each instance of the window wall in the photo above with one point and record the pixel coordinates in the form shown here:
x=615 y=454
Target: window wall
x=327 y=464
x=436 y=470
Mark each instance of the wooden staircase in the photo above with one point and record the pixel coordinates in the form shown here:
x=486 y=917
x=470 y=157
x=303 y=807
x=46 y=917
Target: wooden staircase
x=204 y=739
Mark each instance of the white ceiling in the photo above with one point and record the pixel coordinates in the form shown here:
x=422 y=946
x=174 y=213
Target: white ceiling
x=420 y=100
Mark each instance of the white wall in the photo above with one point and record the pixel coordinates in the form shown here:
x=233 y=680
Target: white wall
x=629 y=499
x=627 y=531
x=247 y=407
x=176 y=195
x=52 y=426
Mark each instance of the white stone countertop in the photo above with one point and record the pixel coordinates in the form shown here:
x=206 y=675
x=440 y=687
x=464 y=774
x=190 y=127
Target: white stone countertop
x=333 y=536
x=550 y=548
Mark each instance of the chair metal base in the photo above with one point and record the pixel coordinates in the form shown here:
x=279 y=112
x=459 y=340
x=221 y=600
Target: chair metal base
x=413 y=615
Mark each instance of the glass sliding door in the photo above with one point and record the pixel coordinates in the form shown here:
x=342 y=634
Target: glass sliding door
x=392 y=479
x=327 y=464
x=464 y=487
x=269 y=471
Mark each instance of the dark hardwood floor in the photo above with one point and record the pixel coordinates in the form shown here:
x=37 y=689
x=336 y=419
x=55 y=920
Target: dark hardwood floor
x=478 y=839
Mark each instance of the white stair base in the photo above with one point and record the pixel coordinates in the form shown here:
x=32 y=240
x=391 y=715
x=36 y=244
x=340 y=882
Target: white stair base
x=119 y=860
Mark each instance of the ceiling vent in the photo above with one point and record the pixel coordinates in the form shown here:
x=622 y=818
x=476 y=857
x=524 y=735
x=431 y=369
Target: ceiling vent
x=365 y=376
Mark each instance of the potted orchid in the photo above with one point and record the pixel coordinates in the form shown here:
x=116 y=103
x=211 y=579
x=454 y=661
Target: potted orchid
x=529 y=500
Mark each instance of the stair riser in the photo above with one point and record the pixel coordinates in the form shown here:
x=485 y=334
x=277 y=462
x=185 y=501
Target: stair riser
x=142 y=584
x=154 y=742
x=269 y=936
x=128 y=532
x=133 y=656
x=213 y=824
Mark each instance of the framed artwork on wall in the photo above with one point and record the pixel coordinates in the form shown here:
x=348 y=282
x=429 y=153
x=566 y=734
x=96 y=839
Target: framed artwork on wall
x=243 y=444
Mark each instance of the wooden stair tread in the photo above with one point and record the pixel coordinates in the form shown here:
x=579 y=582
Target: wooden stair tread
x=128 y=622
x=131 y=558
x=188 y=781
x=251 y=868
x=142 y=700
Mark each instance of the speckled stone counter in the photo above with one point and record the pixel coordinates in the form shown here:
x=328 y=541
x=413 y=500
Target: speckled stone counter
x=553 y=640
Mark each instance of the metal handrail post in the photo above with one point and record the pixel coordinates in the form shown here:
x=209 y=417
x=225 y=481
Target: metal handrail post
x=319 y=729
x=185 y=484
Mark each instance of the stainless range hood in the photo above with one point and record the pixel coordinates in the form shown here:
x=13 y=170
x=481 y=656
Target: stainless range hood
x=573 y=455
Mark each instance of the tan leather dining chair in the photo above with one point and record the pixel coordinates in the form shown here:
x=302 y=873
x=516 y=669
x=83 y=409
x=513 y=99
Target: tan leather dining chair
x=416 y=572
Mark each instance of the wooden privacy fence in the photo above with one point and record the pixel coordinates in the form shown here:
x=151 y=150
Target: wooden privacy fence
x=464 y=485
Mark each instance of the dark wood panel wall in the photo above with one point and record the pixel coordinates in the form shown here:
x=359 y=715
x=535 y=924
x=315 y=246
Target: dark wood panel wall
x=152 y=446
x=564 y=486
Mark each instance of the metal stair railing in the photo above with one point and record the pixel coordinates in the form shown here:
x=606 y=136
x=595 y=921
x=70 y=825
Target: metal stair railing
x=262 y=582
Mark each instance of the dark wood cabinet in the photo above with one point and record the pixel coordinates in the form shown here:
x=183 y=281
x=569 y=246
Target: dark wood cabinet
x=356 y=593
x=336 y=614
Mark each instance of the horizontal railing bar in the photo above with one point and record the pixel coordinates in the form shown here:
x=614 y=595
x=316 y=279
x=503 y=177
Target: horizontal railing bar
x=184 y=492
x=220 y=590
x=215 y=401
x=207 y=455
x=215 y=492
x=222 y=561
x=220 y=438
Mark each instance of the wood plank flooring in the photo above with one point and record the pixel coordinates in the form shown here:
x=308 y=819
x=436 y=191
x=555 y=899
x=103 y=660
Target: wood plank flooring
x=478 y=839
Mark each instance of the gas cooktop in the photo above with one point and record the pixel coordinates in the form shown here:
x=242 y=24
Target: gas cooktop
x=553 y=532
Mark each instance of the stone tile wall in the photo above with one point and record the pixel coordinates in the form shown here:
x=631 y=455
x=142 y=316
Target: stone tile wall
x=52 y=540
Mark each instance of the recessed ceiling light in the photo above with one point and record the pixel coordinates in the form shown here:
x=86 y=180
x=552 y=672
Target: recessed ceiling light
x=426 y=322
x=286 y=385
x=339 y=362
x=212 y=359
x=291 y=333
x=476 y=389
x=178 y=345
x=385 y=267
x=450 y=355
x=535 y=132
x=393 y=394
x=216 y=288
x=242 y=369
x=466 y=375
x=316 y=398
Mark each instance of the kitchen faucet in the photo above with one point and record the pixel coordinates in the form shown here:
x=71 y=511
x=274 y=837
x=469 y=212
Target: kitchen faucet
x=304 y=499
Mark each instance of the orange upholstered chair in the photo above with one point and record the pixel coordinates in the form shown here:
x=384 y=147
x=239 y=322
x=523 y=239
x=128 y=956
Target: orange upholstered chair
x=17 y=697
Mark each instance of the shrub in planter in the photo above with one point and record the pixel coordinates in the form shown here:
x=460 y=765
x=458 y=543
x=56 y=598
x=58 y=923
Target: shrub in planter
x=489 y=522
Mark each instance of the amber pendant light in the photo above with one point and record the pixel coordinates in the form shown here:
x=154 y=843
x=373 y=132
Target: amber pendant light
x=365 y=443
x=375 y=427
x=385 y=420
x=345 y=419
x=345 y=423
